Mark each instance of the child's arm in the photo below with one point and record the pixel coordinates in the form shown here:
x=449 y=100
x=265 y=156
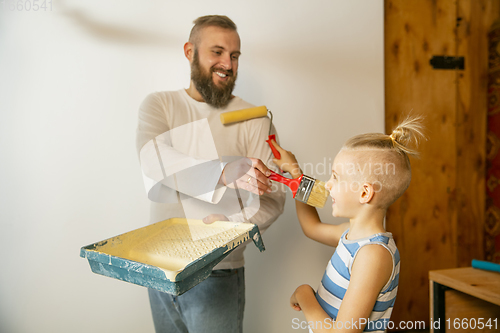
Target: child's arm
x=328 y=234
x=312 y=226
x=370 y=272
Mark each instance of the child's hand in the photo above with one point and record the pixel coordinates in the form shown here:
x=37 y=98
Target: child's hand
x=293 y=302
x=288 y=162
x=304 y=292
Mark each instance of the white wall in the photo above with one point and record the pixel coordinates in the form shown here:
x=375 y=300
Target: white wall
x=71 y=80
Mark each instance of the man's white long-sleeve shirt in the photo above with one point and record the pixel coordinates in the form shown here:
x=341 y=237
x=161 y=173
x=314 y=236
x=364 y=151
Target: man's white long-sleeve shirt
x=183 y=147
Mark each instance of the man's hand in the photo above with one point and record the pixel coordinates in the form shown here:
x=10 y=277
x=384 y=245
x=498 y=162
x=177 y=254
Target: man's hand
x=214 y=217
x=249 y=174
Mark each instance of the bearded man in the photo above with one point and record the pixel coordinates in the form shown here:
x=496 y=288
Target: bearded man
x=191 y=164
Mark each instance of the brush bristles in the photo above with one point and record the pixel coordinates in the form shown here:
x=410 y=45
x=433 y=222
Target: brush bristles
x=319 y=194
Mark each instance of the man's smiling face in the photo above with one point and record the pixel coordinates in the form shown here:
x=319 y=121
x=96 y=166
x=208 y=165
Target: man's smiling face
x=215 y=65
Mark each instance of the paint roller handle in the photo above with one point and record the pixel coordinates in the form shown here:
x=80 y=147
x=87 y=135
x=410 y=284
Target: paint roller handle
x=276 y=153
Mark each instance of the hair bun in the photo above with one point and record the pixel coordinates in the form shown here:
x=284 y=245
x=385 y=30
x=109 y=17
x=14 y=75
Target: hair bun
x=408 y=133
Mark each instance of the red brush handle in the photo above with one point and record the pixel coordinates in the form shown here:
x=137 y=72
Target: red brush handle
x=276 y=153
x=293 y=184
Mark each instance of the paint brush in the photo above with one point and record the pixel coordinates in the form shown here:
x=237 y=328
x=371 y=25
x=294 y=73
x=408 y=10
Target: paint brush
x=304 y=189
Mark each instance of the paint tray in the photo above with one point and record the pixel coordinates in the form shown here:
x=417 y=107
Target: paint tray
x=171 y=256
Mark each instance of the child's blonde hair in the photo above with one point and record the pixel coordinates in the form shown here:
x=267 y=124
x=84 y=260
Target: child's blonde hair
x=387 y=150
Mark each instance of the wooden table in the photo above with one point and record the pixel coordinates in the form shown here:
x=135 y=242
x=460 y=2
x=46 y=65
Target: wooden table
x=460 y=297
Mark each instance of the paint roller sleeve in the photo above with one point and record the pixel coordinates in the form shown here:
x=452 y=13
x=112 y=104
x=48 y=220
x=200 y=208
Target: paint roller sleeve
x=241 y=115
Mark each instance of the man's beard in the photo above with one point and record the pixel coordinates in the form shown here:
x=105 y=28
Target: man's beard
x=216 y=96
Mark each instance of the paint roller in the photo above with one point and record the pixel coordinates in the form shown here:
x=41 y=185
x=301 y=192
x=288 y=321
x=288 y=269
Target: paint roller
x=230 y=117
x=251 y=113
x=305 y=189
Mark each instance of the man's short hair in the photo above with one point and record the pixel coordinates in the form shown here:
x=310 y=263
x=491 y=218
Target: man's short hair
x=201 y=22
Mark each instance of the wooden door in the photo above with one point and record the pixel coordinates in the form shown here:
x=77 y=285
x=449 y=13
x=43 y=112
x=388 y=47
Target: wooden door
x=439 y=221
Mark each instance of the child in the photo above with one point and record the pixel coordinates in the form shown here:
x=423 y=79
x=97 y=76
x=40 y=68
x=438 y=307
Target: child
x=359 y=287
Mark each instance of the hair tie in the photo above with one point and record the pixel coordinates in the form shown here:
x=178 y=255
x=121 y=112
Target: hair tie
x=393 y=137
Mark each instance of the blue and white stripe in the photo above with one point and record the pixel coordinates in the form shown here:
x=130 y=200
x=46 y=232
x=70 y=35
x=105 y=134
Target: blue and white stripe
x=338 y=273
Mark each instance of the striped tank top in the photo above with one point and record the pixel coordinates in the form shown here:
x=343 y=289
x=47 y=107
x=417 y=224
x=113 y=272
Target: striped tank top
x=336 y=279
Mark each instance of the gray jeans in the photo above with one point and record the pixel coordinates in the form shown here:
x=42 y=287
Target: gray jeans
x=215 y=305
